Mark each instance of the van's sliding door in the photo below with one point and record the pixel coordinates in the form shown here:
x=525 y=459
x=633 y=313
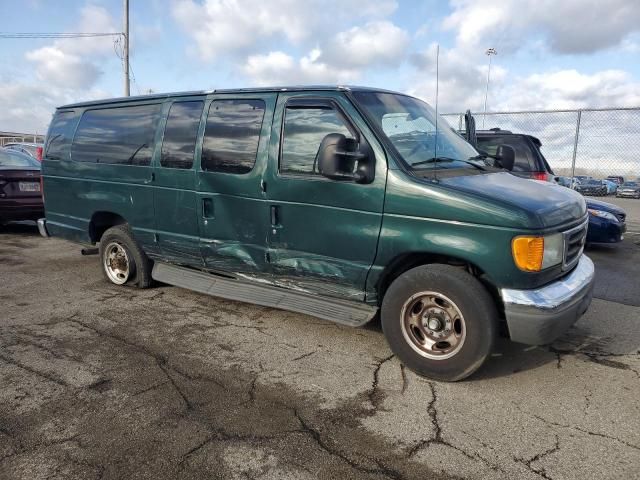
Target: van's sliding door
x=232 y=208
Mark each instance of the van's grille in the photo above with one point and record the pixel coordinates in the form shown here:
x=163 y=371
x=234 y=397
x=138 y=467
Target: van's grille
x=574 y=241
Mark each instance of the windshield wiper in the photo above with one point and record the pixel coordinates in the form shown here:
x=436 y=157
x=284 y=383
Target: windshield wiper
x=447 y=159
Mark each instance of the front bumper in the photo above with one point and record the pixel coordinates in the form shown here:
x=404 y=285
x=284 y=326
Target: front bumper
x=541 y=315
x=605 y=231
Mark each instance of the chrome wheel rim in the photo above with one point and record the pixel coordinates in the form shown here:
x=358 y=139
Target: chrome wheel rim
x=116 y=263
x=433 y=325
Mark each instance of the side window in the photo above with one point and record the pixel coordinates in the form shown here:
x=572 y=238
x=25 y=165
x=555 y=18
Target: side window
x=524 y=160
x=121 y=135
x=58 y=141
x=179 y=142
x=304 y=129
x=232 y=135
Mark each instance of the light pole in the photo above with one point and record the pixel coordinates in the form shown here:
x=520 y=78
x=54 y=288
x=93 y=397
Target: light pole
x=488 y=53
x=125 y=35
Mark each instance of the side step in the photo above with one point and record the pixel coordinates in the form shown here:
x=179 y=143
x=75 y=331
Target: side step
x=353 y=314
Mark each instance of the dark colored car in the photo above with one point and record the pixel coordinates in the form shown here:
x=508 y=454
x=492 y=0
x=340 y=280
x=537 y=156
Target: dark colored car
x=529 y=161
x=20 y=195
x=629 y=189
x=606 y=222
x=616 y=179
x=32 y=149
x=592 y=187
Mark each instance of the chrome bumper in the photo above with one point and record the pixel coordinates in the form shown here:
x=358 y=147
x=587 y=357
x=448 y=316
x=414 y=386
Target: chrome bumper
x=541 y=315
x=42 y=227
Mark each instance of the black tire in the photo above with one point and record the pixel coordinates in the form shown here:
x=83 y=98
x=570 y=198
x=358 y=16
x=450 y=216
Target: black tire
x=468 y=295
x=139 y=264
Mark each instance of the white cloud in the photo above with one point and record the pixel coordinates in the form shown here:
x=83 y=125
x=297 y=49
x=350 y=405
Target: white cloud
x=225 y=27
x=66 y=70
x=73 y=63
x=462 y=83
x=279 y=68
x=28 y=107
x=569 y=26
x=570 y=89
x=55 y=66
x=375 y=43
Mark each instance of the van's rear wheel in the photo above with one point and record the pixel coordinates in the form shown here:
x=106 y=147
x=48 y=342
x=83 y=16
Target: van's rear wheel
x=123 y=261
x=440 y=321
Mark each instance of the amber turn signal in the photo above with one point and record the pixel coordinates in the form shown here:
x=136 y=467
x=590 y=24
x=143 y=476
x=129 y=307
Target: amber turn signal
x=528 y=253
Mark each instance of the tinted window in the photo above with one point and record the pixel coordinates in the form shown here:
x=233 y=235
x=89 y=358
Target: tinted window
x=524 y=158
x=59 y=136
x=304 y=129
x=232 y=135
x=123 y=135
x=180 y=134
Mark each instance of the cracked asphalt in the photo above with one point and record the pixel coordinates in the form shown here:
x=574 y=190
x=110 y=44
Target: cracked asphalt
x=98 y=381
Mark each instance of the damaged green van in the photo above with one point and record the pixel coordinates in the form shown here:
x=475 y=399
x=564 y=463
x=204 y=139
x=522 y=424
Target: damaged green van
x=338 y=202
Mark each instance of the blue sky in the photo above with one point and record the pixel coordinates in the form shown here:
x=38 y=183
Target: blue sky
x=575 y=53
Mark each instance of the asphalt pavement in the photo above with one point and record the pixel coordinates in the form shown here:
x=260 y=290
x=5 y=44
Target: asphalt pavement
x=105 y=382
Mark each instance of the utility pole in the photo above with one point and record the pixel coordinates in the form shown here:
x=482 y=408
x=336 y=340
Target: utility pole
x=488 y=53
x=125 y=35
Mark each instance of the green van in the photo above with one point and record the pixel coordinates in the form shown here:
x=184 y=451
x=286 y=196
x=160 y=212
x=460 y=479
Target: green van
x=337 y=202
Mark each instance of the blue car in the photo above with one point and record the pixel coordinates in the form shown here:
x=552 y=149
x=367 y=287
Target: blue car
x=606 y=222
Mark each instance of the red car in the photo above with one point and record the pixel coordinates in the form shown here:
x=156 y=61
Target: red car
x=20 y=188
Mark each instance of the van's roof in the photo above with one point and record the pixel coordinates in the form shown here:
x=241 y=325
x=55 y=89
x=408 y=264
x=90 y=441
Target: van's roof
x=294 y=88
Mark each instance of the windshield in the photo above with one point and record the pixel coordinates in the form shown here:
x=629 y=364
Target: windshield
x=16 y=160
x=410 y=125
x=629 y=184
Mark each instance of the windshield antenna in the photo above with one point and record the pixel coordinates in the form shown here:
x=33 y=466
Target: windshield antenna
x=435 y=143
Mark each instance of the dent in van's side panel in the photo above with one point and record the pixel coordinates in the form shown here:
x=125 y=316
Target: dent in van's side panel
x=232 y=209
x=327 y=233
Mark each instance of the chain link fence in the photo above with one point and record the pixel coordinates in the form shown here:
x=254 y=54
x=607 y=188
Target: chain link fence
x=593 y=142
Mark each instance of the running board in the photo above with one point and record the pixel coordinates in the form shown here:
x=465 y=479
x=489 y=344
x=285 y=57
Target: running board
x=353 y=314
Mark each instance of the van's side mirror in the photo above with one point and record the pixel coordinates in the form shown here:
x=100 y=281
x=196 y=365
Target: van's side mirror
x=506 y=156
x=341 y=158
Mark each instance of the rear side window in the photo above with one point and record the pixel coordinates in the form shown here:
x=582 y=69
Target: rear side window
x=179 y=142
x=58 y=141
x=119 y=136
x=304 y=130
x=524 y=158
x=232 y=135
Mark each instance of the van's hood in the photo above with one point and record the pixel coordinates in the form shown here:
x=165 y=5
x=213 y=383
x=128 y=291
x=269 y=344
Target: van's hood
x=547 y=204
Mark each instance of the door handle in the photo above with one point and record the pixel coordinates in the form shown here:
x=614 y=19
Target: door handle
x=275 y=215
x=207 y=208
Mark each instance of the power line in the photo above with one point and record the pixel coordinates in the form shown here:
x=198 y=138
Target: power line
x=58 y=34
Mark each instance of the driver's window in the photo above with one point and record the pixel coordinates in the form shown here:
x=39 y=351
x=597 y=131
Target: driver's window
x=304 y=129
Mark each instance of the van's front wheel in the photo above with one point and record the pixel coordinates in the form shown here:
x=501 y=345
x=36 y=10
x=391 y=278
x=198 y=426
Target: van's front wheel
x=123 y=261
x=440 y=321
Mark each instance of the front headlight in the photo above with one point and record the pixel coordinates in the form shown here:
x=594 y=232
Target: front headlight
x=533 y=254
x=603 y=214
